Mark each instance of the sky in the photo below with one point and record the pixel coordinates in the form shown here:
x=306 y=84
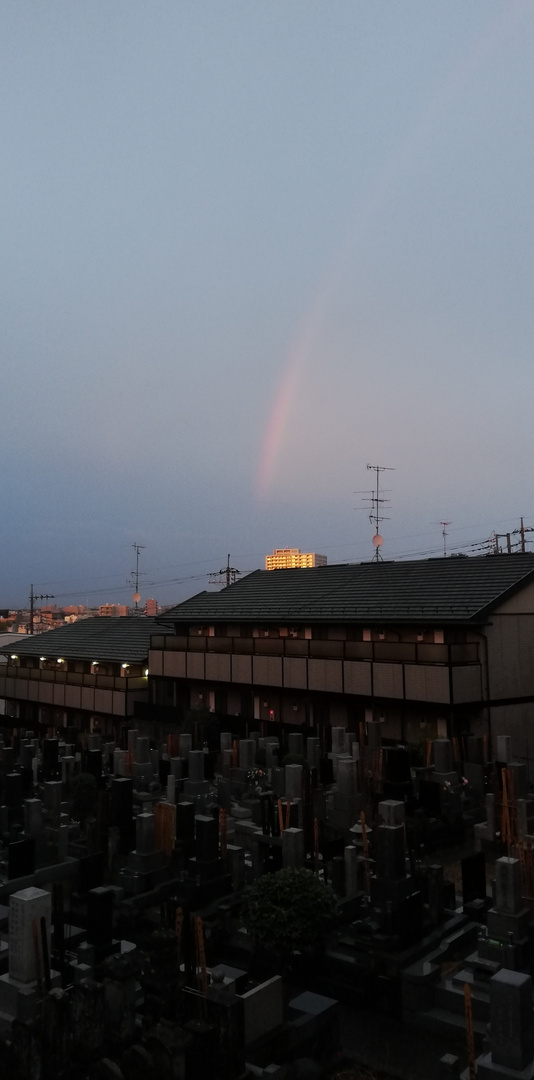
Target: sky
x=248 y=249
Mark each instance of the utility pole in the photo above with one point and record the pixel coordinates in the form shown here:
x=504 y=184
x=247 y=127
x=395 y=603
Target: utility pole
x=228 y=572
x=37 y=596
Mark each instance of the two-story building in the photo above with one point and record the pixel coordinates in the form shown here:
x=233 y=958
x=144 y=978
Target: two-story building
x=88 y=674
x=430 y=647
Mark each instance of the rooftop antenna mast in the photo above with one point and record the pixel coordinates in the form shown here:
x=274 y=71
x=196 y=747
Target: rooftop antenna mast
x=135 y=574
x=445 y=534
x=377 y=500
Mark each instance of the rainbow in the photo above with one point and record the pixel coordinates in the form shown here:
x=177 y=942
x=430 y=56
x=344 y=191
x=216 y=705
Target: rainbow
x=400 y=159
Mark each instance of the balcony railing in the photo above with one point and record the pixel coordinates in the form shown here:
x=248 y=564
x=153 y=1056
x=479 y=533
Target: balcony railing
x=409 y=652
x=76 y=678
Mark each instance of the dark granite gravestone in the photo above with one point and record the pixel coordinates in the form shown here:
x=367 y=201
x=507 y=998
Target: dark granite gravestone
x=164 y=767
x=185 y=821
x=430 y=797
x=436 y=894
x=474 y=877
x=21 y=858
x=207 y=838
x=266 y=800
x=475 y=749
x=50 y=763
x=326 y=770
x=90 y=872
x=100 y=917
x=121 y=810
x=390 y=859
x=337 y=875
x=397 y=766
x=408 y=918
x=93 y=763
x=13 y=789
x=7 y=763
x=512 y=1029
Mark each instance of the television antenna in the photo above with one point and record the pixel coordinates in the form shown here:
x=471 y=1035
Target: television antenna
x=445 y=534
x=135 y=575
x=375 y=499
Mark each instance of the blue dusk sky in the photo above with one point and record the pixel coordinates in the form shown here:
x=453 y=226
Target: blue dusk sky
x=247 y=249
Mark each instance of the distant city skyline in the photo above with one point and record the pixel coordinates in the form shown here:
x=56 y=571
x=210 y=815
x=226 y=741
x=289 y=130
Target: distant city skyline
x=248 y=249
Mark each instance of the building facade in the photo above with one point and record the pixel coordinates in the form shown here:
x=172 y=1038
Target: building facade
x=293 y=558
x=89 y=674
x=431 y=648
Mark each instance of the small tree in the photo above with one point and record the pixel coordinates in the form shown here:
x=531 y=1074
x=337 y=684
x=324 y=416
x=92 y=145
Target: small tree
x=288 y=910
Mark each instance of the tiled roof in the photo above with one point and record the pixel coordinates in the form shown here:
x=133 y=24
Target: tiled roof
x=102 y=638
x=448 y=589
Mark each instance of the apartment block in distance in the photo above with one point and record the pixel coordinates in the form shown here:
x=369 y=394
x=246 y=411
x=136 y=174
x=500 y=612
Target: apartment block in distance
x=293 y=559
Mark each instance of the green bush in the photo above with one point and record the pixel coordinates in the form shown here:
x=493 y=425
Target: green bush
x=291 y=909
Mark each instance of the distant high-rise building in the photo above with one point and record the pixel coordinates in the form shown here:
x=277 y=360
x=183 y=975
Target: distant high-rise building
x=293 y=558
x=151 y=607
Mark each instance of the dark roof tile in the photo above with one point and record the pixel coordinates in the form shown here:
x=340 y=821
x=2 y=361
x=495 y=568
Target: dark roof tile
x=450 y=589
x=102 y=638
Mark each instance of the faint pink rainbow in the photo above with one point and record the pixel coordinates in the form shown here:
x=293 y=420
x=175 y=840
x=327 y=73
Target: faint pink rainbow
x=301 y=349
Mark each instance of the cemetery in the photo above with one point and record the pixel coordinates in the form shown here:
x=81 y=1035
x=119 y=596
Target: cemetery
x=237 y=910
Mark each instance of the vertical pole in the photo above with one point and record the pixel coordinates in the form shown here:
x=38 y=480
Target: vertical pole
x=522 y=533
x=31 y=609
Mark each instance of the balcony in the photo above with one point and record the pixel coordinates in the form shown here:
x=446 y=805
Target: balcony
x=401 y=671
x=107 y=694
x=380 y=651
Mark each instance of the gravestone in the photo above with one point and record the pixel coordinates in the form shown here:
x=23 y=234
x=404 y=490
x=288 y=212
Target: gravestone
x=338 y=740
x=132 y=739
x=391 y=812
x=292 y=848
x=511 y=1019
x=185 y=821
x=293 y=782
x=21 y=858
x=295 y=743
x=50 y=759
x=145 y=834
x=93 y=762
x=313 y=751
x=186 y=744
x=121 y=809
x=100 y=916
x=26 y=909
x=474 y=877
x=263 y=1008
x=196 y=765
x=504 y=748
x=247 y=754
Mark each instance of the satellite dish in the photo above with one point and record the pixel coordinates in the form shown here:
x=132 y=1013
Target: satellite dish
x=137 y=596
x=378 y=540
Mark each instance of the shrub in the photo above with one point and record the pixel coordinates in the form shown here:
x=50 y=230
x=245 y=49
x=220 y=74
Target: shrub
x=291 y=909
